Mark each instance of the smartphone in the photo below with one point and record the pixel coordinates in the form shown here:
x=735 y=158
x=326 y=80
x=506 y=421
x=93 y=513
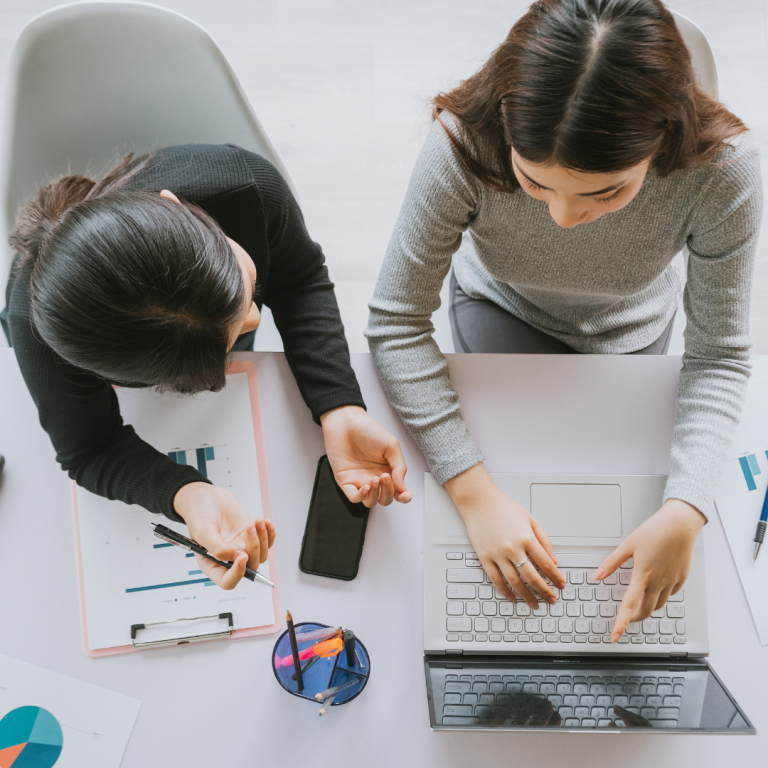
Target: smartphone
x=335 y=530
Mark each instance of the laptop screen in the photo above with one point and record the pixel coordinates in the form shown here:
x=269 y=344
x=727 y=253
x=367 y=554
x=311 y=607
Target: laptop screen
x=572 y=694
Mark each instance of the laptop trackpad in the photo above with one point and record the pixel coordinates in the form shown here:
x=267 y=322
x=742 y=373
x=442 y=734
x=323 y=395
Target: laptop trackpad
x=565 y=509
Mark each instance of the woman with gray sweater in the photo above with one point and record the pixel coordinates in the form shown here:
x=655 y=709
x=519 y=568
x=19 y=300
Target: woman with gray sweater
x=563 y=182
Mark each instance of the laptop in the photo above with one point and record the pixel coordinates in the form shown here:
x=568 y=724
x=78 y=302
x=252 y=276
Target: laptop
x=495 y=664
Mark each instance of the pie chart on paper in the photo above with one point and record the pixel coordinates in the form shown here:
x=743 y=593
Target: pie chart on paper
x=30 y=737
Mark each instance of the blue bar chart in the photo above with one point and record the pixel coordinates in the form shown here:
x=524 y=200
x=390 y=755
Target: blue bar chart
x=750 y=469
x=199 y=456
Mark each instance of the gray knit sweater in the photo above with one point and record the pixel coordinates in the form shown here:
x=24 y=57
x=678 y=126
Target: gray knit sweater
x=607 y=287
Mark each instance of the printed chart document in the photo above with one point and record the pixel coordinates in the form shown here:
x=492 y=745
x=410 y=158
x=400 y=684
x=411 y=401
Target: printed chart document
x=48 y=719
x=739 y=500
x=129 y=576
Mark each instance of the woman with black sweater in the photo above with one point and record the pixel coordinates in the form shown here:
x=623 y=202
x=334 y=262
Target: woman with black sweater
x=150 y=277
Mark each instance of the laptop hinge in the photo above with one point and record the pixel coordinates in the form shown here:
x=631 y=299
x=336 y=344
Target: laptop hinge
x=678 y=655
x=454 y=652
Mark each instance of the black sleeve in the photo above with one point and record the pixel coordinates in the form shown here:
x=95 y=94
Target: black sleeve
x=300 y=295
x=80 y=413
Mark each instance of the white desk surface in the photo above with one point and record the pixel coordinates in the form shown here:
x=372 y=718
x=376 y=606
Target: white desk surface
x=218 y=702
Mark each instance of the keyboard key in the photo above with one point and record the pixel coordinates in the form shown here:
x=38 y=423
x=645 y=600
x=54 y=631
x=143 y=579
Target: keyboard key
x=607 y=610
x=628 y=565
x=650 y=627
x=651 y=640
x=581 y=711
x=470 y=698
x=566 y=639
x=541 y=610
x=580 y=638
x=611 y=580
x=582 y=626
x=523 y=609
x=572 y=722
x=573 y=609
x=507 y=609
x=467 y=638
x=653 y=701
x=458 y=625
x=454 y=608
x=454 y=555
x=666 y=713
x=451 y=677
x=589 y=610
x=452 y=698
x=658 y=614
x=523 y=638
x=672 y=701
x=452 y=637
x=548 y=625
x=665 y=640
x=472 y=563
x=617 y=593
x=473 y=609
x=481 y=638
x=647 y=688
x=667 y=627
x=509 y=638
x=481 y=624
x=537 y=638
x=498 y=594
x=485 y=592
x=604 y=722
x=599 y=626
x=625 y=577
x=531 y=625
x=576 y=577
x=638 y=639
x=515 y=625
x=604 y=701
x=633 y=628
x=594 y=639
x=568 y=593
x=457 y=709
x=464 y=575
x=680 y=627
x=479 y=687
x=460 y=591
x=663 y=723
x=461 y=721
x=647 y=712
x=489 y=608
x=621 y=701
x=602 y=593
x=498 y=625
x=597 y=712
x=679 y=640
x=678 y=598
x=676 y=611
x=557 y=610
x=588 y=722
x=664 y=689
x=585 y=593
x=457 y=687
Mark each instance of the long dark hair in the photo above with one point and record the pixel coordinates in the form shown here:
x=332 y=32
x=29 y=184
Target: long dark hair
x=591 y=85
x=127 y=284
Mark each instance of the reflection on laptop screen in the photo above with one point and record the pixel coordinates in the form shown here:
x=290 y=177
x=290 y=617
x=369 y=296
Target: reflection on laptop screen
x=579 y=695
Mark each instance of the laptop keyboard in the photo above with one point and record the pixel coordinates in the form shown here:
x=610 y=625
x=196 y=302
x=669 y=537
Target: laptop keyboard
x=579 y=701
x=584 y=612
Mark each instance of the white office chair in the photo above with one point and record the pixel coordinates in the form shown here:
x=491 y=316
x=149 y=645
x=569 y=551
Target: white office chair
x=92 y=81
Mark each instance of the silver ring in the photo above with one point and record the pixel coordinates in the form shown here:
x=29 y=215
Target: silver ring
x=523 y=562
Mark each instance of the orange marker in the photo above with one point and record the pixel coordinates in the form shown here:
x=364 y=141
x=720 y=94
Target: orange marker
x=326 y=649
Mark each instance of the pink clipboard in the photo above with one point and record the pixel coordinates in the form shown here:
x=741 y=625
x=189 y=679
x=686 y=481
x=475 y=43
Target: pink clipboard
x=237 y=367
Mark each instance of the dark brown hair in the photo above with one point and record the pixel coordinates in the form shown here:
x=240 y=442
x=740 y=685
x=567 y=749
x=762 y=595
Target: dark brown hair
x=127 y=284
x=592 y=85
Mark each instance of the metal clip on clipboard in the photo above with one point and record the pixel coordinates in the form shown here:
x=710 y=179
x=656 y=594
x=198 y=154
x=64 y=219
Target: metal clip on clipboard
x=162 y=635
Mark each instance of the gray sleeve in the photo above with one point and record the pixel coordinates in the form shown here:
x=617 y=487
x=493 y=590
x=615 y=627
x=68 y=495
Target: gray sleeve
x=715 y=372
x=441 y=200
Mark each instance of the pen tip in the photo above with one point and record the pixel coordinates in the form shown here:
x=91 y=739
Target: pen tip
x=288 y=616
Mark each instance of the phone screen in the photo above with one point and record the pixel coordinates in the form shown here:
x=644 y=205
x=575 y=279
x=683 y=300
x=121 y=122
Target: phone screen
x=335 y=531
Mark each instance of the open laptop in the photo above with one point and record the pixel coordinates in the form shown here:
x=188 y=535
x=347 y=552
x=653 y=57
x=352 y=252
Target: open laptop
x=494 y=664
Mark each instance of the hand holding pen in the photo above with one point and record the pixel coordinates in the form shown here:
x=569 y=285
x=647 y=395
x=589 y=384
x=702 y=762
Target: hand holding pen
x=220 y=523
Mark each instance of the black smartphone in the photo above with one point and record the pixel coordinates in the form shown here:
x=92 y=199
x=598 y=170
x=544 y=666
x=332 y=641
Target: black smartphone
x=335 y=530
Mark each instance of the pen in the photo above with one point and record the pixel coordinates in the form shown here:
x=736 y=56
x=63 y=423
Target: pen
x=294 y=651
x=172 y=537
x=325 y=648
x=761 y=526
x=318 y=634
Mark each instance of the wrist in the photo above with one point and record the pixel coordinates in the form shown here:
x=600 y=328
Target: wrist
x=467 y=488
x=684 y=513
x=186 y=495
x=342 y=413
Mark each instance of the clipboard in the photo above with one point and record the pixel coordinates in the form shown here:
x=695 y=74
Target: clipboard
x=137 y=592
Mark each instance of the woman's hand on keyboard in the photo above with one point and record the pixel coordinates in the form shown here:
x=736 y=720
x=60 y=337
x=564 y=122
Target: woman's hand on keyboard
x=662 y=549
x=504 y=533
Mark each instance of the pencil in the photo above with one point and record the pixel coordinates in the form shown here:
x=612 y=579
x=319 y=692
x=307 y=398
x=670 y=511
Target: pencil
x=294 y=651
x=326 y=705
x=337 y=689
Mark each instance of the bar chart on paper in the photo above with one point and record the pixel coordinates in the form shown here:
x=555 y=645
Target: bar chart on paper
x=750 y=468
x=132 y=577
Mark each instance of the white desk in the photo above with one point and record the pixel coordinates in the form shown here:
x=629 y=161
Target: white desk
x=546 y=413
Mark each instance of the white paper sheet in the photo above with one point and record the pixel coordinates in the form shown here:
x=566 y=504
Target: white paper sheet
x=48 y=719
x=132 y=577
x=739 y=500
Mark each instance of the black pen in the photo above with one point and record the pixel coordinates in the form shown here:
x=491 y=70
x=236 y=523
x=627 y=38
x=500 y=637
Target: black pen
x=172 y=537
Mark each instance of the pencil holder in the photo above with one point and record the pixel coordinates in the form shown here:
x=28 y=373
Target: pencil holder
x=323 y=673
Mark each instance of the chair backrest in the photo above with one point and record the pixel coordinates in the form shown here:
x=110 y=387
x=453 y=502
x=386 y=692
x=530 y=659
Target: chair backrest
x=92 y=81
x=701 y=53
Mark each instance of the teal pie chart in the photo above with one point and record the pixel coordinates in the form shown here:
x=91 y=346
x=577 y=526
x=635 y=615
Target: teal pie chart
x=30 y=737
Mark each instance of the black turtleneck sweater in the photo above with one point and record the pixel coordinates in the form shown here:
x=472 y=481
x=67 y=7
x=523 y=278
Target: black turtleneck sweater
x=253 y=205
